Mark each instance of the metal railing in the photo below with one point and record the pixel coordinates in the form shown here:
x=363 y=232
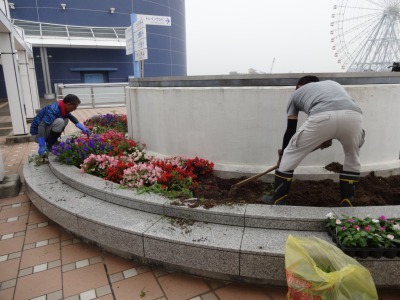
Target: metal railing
x=39 y=29
x=96 y=94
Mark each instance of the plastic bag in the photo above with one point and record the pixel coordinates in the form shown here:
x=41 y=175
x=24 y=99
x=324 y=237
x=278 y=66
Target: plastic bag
x=318 y=270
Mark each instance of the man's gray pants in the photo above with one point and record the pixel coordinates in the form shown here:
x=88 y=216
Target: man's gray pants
x=342 y=125
x=57 y=126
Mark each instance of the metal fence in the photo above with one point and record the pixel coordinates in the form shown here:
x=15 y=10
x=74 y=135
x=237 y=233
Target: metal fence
x=95 y=95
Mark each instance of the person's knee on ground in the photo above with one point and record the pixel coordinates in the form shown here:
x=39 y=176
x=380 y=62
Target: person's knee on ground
x=283 y=180
x=348 y=185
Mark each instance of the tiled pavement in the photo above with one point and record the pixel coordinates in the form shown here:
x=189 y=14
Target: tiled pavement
x=39 y=260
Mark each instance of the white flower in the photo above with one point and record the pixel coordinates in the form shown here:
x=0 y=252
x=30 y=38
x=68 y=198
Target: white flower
x=338 y=222
x=396 y=226
x=390 y=237
x=330 y=215
x=375 y=220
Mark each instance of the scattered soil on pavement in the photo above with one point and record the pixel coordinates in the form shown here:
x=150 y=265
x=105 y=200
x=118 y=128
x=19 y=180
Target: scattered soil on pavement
x=372 y=190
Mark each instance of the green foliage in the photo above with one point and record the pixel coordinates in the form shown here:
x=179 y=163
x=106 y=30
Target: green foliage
x=175 y=191
x=37 y=159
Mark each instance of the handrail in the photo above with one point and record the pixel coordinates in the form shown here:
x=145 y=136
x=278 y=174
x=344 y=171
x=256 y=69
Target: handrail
x=96 y=94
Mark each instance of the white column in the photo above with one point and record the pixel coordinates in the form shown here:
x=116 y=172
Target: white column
x=46 y=74
x=25 y=83
x=33 y=84
x=13 y=83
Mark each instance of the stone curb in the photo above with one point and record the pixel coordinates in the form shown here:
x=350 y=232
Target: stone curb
x=248 y=215
x=221 y=251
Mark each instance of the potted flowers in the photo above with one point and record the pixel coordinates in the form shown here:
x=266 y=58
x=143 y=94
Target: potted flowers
x=365 y=237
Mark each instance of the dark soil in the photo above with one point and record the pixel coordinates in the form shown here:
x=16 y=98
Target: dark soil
x=372 y=190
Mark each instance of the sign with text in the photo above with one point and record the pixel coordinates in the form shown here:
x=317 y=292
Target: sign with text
x=136 y=38
x=139 y=24
x=129 y=40
x=155 y=20
x=141 y=34
x=140 y=45
x=141 y=55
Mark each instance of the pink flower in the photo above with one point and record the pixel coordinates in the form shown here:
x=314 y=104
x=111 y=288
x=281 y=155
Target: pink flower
x=390 y=237
x=343 y=228
x=382 y=218
x=356 y=227
x=382 y=228
x=338 y=222
x=367 y=228
x=350 y=221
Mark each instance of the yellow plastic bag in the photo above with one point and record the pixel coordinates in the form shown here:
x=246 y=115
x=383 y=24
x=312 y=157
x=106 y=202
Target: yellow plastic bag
x=318 y=270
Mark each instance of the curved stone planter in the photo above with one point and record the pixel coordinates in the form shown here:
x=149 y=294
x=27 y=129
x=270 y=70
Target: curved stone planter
x=238 y=243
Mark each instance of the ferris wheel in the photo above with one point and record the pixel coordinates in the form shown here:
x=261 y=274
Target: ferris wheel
x=366 y=34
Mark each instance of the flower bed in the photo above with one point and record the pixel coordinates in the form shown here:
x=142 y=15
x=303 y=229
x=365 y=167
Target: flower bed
x=102 y=123
x=365 y=237
x=112 y=156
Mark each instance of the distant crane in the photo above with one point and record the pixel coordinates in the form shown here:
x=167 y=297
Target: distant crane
x=272 y=65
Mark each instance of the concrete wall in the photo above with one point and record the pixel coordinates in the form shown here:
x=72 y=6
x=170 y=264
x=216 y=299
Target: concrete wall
x=241 y=128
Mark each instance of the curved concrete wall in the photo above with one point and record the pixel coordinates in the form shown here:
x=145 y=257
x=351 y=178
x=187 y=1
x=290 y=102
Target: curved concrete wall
x=241 y=128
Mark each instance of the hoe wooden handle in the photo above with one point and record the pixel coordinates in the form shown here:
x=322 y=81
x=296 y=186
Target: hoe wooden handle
x=247 y=180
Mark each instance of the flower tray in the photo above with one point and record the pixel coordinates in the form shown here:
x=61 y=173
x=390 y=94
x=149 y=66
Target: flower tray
x=365 y=252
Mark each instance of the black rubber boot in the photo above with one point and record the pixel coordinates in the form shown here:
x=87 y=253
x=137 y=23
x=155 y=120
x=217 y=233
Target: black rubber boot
x=348 y=186
x=52 y=139
x=282 y=186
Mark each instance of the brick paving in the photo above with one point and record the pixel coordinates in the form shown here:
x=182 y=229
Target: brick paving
x=41 y=261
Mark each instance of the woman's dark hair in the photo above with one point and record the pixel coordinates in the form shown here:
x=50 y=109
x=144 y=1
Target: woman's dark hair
x=307 y=79
x=73 y=99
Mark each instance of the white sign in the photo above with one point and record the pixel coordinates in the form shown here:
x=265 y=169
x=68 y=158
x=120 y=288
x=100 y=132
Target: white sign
x=140 y=45
x=129 y=40
x=141 y=34
x=141 y=55
x=139 y=24
x=155 y=20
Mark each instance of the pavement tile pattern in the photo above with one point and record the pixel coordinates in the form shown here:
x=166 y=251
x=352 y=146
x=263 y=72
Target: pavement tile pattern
x=41 y=261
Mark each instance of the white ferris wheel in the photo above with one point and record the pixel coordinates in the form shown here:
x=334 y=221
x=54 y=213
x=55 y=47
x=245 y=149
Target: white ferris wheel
x=366 y=34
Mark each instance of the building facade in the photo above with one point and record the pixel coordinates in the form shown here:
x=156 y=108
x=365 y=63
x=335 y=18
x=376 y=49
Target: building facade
x=83 y=41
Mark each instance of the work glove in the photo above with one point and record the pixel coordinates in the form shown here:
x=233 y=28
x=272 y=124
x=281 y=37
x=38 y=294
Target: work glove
x=42 y=146
x=83 y=128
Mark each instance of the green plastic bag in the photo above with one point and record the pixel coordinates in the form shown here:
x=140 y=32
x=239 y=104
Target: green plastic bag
x=318 y=270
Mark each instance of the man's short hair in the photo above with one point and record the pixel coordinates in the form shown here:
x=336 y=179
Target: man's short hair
x=307 y=79
x=73 y=99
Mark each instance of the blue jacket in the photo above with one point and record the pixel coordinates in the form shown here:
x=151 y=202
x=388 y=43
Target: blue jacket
x=48 y=115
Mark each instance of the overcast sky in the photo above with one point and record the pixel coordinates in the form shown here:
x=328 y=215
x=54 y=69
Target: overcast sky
x=235 y=35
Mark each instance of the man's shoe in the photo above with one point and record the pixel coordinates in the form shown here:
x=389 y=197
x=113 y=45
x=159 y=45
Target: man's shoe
x=348 y=186
x=282 y=186
x=267 y=199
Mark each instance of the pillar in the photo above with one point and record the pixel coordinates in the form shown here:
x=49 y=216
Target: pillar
x=28 y=84
x=46 y=74
x=13 y=84
x=33 y=83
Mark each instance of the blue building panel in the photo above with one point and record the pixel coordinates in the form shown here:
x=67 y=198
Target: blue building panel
x=166 y=44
